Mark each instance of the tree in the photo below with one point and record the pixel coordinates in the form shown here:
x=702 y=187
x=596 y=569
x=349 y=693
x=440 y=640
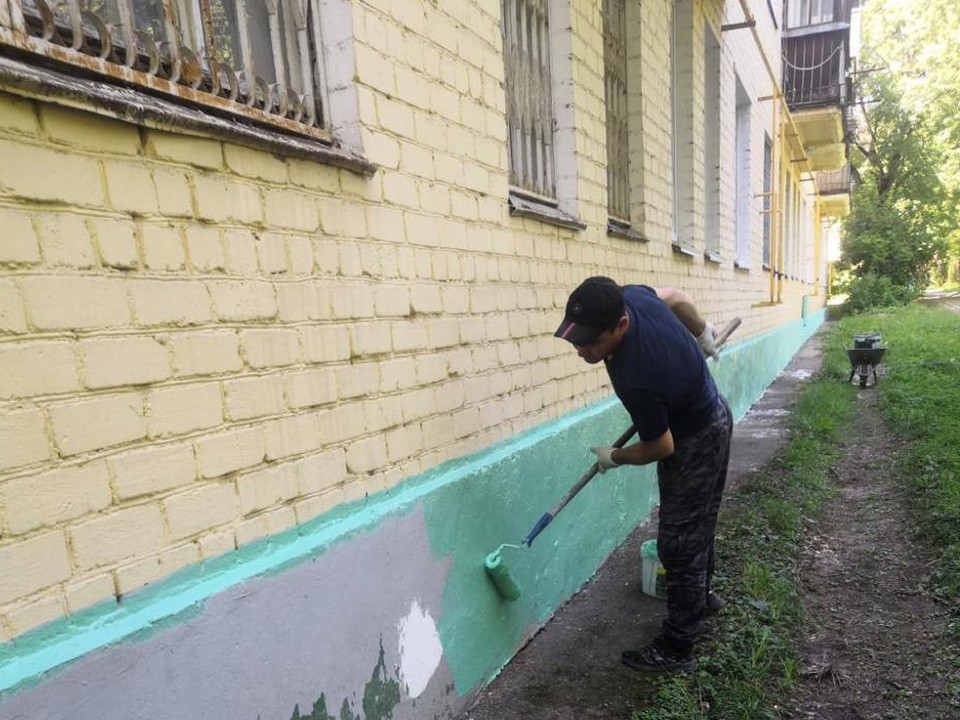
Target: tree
x=894 y=230
x=906 y=155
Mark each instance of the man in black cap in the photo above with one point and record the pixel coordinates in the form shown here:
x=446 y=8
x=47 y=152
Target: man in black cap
x=653 y=343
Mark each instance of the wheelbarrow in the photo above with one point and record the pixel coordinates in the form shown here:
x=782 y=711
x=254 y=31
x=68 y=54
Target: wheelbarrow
x=864 y=357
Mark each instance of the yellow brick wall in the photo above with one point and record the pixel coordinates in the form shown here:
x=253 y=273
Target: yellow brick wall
x=202 y=344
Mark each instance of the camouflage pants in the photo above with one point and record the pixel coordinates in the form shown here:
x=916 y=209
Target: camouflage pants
x=691 y=485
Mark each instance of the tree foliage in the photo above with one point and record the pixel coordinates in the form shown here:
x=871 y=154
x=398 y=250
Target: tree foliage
x=894 y=230
x=905 y=221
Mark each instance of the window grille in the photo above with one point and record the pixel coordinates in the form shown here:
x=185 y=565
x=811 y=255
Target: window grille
x=615 y=77
x=526 y=43
x=257 y=59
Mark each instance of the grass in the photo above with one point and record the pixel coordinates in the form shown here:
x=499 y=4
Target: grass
x=919 y=399
x=751 y=661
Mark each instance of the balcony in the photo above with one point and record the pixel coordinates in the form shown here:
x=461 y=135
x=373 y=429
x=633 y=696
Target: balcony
x=835 y=188
x=815 y=70
x=816 y=58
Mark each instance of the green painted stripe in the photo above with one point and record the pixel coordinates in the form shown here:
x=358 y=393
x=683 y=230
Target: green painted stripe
x=29 y=656
x=743 y=373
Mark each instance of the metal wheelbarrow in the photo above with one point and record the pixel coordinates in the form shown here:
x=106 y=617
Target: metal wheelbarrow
x=863 y=362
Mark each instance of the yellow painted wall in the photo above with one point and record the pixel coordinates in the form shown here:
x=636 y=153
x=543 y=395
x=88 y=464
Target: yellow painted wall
x=202 y=344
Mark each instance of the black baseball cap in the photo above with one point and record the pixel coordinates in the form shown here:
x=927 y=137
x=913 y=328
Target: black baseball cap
x=594 y=307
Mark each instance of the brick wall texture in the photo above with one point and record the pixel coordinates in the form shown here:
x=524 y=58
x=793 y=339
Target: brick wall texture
x=202 y=344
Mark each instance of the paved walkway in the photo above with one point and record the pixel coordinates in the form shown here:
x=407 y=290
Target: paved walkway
x=571 y=670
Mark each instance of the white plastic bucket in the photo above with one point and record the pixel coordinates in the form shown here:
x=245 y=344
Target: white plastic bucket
x=653 y=578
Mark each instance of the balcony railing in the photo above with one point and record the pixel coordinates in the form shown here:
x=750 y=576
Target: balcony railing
x=835 y=182
x=814 y=69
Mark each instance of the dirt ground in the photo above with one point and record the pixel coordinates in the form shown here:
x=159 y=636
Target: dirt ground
x=870 y=647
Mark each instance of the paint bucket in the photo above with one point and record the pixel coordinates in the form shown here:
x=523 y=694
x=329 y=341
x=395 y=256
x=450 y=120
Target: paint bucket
x=653 y=578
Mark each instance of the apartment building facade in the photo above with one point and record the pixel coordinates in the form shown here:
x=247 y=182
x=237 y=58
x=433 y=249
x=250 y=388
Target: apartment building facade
x=278 y=281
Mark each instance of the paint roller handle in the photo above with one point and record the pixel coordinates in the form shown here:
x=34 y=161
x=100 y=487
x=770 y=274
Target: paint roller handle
x=571 y=493
x=541 y=524
x=727 y=332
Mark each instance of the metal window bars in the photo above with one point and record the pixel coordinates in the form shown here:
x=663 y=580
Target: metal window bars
x=257 y=59
x=615 y=85
x=814 y=70
x=526 y=42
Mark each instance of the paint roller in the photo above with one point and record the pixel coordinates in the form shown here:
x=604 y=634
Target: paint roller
x=498 y=572
x=494 y=565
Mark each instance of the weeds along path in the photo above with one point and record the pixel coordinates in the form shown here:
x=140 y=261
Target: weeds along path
x=870 y=645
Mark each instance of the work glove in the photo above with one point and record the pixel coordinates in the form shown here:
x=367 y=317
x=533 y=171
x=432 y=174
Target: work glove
x=707 y=340
x=605 y=457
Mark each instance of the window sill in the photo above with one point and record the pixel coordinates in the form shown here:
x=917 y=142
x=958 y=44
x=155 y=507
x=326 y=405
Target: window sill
x=741 y=268
x=140 y=108
x=679 y=249
x=615 y=228
x=713 y=257
x=539 y=210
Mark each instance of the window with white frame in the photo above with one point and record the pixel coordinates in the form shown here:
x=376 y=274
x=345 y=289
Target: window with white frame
x=615 y=89
x=741 y=177
x=801 y=13
x=681 y=102
x=537 y=48
x=259 y=60
x=711 y=143
x=526 y=45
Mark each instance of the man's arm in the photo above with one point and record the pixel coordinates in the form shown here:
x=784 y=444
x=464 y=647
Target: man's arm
x=686 y=312
x=682 y=306
x=640 y=453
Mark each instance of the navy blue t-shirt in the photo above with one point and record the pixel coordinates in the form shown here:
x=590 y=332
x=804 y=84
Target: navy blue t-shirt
x=659 y=372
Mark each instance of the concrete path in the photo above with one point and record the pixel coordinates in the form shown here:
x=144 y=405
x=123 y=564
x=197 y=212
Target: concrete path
x=571 y=670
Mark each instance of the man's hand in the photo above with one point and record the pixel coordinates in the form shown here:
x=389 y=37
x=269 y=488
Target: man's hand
x=707 y=340
x=605 y=457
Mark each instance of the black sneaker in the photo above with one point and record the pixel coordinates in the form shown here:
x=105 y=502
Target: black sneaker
x=658 y=657
x=715 y=604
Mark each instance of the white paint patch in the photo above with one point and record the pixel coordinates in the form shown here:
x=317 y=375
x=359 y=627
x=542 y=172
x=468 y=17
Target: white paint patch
x=420 y=649
x=798 y=374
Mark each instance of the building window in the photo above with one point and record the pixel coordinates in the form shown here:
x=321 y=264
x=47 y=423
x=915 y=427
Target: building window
x=681 y=101
x=615 y=87
x=801 y=13
x=526 y=40
x=711 y=144
x=541 y=134
x=741 y=177
x=260 y=60
x=767 y=197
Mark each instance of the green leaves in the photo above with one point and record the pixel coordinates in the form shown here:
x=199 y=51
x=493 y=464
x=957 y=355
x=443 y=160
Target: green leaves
x=905 y=219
